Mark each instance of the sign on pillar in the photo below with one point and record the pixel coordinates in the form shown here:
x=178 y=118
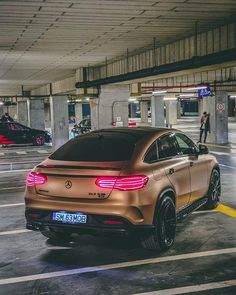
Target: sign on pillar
x=118 y=122
x=217 y=107
x=221 y=104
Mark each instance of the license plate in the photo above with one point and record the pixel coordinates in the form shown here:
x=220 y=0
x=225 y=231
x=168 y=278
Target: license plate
x=69 y=217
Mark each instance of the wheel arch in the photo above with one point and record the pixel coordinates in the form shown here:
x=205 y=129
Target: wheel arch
x=169 y=191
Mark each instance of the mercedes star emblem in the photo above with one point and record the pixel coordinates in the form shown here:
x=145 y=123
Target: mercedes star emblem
x=68 y=184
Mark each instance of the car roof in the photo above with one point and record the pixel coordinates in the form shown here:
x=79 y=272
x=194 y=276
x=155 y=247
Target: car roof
x=138 y=132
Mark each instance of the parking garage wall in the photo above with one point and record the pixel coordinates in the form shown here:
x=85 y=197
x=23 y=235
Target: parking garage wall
x=212 y=41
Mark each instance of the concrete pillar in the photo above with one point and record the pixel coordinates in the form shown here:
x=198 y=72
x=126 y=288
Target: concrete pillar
x=36 y=114
x=78 y=112
x=94 y=113
x=217 y=106
x=178 y=109
x=111 y=106
x=133 y=109
x=171 y=112
x=200 y=107
x=1 y=109
x=12 y=111
x=144 y=111
x=47 y=115
x=22 y=112
x=235 y=109
x=157 y=110
x=136 y=89
x=59 y=120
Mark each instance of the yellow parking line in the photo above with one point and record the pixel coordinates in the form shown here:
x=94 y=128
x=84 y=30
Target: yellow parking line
x=226 y=210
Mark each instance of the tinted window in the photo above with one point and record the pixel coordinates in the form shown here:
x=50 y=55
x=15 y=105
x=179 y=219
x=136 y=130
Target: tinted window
x=97 y=147
x=15 y=126
x=166 y=147
x=151 y=155
x=186 y=146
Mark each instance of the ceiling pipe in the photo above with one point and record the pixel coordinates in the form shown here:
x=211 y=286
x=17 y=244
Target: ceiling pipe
x=183 y=65
x=184 y=86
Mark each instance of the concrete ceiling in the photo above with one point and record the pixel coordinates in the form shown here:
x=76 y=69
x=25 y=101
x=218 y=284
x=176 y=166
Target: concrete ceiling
x=42 y=41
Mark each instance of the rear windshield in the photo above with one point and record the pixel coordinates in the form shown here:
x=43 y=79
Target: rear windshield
x=97 y=147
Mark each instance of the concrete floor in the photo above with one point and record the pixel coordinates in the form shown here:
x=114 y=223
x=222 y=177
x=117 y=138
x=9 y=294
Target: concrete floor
x=203 y=257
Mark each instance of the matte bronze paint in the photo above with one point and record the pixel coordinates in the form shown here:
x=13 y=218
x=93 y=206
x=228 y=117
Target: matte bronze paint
x=189 y=181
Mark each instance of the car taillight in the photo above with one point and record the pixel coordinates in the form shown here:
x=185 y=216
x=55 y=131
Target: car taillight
x=125 y=183
x=35 y=179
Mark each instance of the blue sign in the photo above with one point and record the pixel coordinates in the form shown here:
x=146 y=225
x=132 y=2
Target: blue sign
x=204 y=92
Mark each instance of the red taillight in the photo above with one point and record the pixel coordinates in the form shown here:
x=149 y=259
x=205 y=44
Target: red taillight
x=125 y=183
x=131 y=124
x=35 y=179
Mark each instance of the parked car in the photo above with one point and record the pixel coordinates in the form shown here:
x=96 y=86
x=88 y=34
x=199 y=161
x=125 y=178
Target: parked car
x=84 y=126
x=16 y=133
x=122 y=181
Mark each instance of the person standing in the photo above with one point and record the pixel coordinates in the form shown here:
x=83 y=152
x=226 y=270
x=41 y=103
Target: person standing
x=207 y=127
x=6 y=118
x=203 y=125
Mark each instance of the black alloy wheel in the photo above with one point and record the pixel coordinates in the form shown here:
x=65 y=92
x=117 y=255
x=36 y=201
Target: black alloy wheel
x=214 y=190
x=39 y=140
x=165 y=226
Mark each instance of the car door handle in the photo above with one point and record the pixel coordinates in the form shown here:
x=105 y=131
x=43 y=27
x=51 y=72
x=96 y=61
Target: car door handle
x=191 y=164
x=171 y=171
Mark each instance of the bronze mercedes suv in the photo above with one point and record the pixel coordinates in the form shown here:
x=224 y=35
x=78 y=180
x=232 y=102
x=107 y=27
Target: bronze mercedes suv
x=123 y=180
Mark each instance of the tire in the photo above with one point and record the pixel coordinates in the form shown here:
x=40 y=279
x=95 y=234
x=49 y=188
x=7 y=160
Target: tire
x=214 y=190
x=163 y=236
x=56 y=235
x=39 y=140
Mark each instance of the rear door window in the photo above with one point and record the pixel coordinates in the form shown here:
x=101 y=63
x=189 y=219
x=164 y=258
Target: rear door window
x=167 y=147
x=185 y=144
x=151 y=155
x=97 y=147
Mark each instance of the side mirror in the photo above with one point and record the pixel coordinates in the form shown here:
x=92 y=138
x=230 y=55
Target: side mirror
x=203 y=149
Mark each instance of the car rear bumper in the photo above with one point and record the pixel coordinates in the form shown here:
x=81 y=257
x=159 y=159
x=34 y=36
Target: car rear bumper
x=136 y=209
x=40 y=220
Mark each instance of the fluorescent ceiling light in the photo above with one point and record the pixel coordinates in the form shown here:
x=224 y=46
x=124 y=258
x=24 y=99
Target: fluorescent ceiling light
x=159 y=92
x=232 y=96
x=186 y=95
x=198 y=87
x=132 y=99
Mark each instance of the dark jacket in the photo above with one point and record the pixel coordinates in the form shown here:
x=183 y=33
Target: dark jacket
x=207 y=124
